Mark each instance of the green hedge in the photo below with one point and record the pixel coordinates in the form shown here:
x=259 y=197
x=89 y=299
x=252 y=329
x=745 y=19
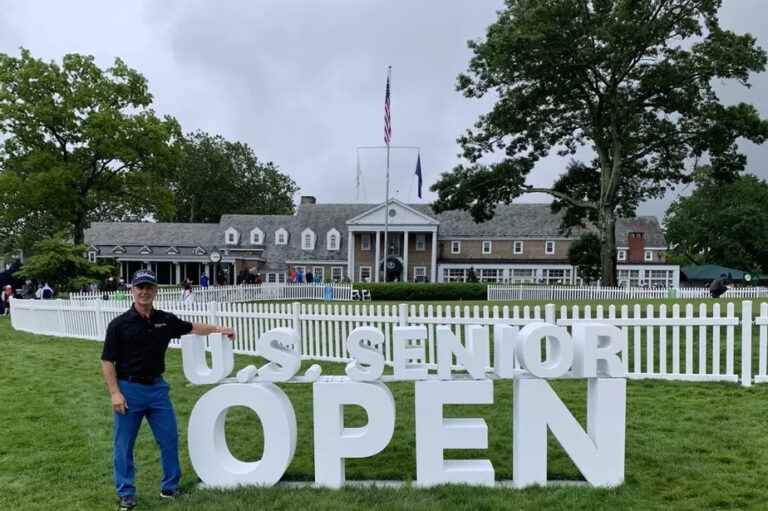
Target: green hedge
x=425 y=291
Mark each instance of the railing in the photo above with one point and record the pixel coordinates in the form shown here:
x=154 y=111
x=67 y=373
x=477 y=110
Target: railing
x=511 y=292
x=240 y=293
x=673 y=343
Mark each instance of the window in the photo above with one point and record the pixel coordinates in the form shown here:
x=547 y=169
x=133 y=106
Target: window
x=659 y=278
x=333 y=239
x=281 y=237
x=455 y=247
x=621 y=255
x=557 y=276
x=365 y=274
x=337 y=273
x=172 y=251
x=648 y=257
x=271 y=278
x=420 y=273
x=490 y=275
x=421 y=242
x=231 y=236
x=308 y=239
x=257 y=236
x=522 y=275
x=454 y=275
x=365 y=242
x=281 y=278
x=145 y=250
x=486 y=246
x=394 y=245
x=318 y=271
x=92 y=256
x=549 y=247
x=517 y=247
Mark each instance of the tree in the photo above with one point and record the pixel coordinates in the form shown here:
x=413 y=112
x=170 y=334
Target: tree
x=584 y=254
x=628 y=79
x=724 y=224
x=216 y=176
x=80 y=144
x=63 y=265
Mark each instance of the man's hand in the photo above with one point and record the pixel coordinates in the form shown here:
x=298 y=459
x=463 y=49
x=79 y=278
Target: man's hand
x=229 y=332
x=118 y=403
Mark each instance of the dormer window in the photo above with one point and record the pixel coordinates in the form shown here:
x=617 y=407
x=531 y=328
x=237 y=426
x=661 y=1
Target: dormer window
x=549 y=248
x=621 y=255
x=257 y=236
x=231 y=236
x=199 y=251
x=172 y=251
x=92 y=256
x=145 y=250
x=308 y=239
x=281 y=237
x=333 y=240
x=118 y=250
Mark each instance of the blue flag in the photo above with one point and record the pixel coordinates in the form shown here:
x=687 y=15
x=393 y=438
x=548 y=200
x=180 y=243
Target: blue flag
x=418 y=172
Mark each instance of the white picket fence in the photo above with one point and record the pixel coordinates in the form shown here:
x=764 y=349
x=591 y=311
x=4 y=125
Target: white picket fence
x=240 y=293
x=708 y=343
x=511 y=292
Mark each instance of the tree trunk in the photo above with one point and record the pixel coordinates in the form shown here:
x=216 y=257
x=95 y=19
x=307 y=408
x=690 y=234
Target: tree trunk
x=607 y=247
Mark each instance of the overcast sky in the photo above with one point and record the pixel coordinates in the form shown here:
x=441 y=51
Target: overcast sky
x=303 y=82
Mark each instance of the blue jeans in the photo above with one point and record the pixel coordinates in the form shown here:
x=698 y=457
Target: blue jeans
x=152 y=402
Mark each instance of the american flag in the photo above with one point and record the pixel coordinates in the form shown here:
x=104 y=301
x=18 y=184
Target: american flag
x=387 y=124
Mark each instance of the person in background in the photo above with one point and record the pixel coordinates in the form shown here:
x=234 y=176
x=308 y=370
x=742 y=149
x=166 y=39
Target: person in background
x=203 y=281
x=310 y=277
x=719 y=286
x=47 y=293
x=39 y=292
x=300 y=276
x=318 y=280
x=293 y=276
x=5 y=299
x=27 y=292
x=186 y=294
x=132 y=363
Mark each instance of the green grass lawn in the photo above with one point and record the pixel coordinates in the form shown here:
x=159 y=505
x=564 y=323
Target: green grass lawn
x=689 y=446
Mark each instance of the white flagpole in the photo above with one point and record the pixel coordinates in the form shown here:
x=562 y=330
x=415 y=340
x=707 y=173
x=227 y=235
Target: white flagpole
x=386 y=199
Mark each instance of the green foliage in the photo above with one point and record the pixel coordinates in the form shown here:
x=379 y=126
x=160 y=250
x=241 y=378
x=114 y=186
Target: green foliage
x=63 y=265
x=215 y=176
x=721 y=223
x=393 y=291
x=80 y=144
x=630 y=80
x=584 y=254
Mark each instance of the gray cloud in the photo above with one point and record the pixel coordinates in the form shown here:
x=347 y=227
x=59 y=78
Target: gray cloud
x=303 y=82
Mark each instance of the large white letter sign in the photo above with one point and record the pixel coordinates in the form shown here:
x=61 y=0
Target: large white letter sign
x=208 y=450
x=597 y=350
x=363 y=345
x=334 y=442
x=406 y=351
x=529 y=350
x=193 y=361
x=504 y=342
x=282 y=347
x=599 y=455
x=473 y=358
x=434 y=434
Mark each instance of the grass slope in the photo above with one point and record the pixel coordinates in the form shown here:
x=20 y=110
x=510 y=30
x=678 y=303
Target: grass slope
x=689 y=446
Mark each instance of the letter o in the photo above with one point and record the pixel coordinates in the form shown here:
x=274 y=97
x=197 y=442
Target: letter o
x=208 y=451
x=529 y=350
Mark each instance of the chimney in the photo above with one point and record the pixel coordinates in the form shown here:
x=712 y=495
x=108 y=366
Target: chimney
x=636 y=247
x=307 y=199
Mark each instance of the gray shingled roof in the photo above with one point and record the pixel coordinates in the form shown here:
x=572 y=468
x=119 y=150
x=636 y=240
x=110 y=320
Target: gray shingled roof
x=146 y=233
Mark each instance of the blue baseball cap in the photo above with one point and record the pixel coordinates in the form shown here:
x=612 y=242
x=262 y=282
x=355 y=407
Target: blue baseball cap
x=144 y=277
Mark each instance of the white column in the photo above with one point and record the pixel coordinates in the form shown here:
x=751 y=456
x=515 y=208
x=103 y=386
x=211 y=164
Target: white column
x=208 y=272
x=405 y=256
x=434 y=256
x=376 y=260
x=178 y=272
x=351 y=255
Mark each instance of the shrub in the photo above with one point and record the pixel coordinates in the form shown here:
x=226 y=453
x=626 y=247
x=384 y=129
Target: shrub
x=394 y=291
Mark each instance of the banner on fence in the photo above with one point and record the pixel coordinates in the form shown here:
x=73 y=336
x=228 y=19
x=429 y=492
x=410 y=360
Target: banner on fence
x=592 y=351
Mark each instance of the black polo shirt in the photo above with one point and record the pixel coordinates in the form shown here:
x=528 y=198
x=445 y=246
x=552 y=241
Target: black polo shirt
x=137 y=345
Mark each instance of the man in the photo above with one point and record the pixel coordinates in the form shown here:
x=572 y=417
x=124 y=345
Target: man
x=132 y=363
x=718 y=286
x=204 y=281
